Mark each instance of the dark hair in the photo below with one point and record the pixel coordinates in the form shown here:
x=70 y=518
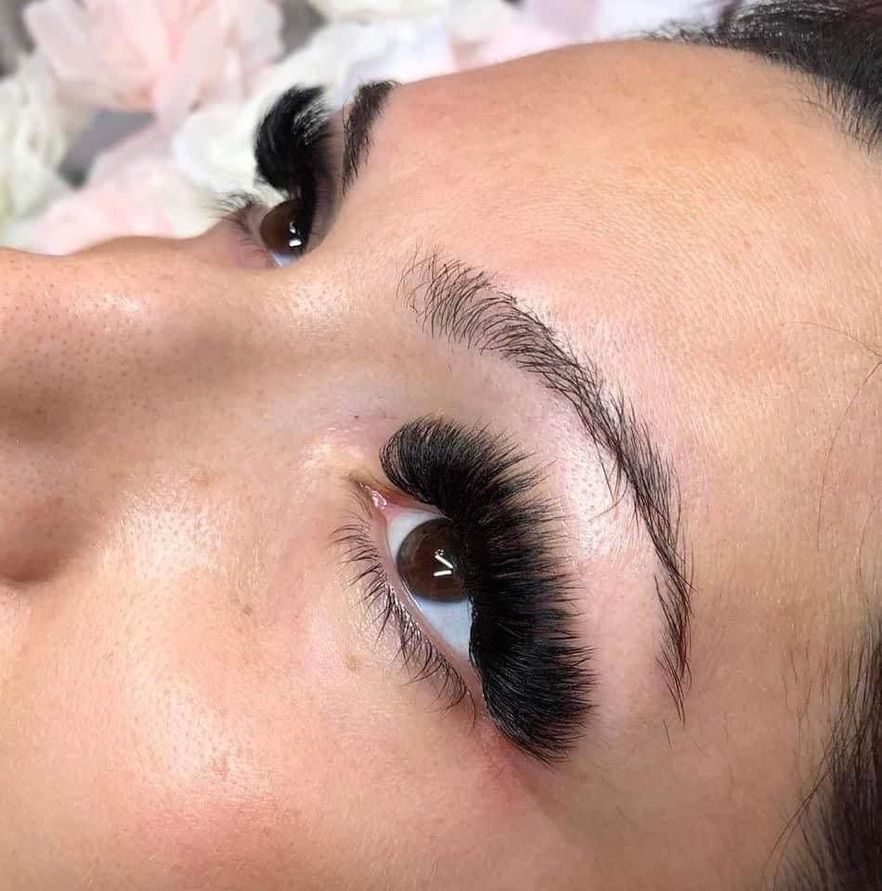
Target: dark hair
x=838 y=44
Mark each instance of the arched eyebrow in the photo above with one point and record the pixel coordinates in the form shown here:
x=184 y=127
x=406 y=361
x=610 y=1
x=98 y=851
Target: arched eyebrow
x=461 y=304
x=359 y=124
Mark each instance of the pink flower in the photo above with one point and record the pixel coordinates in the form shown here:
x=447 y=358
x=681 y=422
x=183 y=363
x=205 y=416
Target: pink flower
x=165 y=56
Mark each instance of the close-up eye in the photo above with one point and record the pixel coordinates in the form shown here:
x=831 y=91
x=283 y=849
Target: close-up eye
x=296 y=157
x=282 y=233
x=427 y=554
x=466 y=575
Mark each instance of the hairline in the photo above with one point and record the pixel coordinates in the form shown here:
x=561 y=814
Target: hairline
x=843 y=797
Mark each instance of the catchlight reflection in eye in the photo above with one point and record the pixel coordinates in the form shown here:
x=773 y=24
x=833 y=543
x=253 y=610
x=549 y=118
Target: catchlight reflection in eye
x=427 y=556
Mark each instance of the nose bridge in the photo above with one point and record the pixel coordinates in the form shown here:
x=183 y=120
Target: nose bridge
x=99 y=354
x=76 y=330
x=137 y=354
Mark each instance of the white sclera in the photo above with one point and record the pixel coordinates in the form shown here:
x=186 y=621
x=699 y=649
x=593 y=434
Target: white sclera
x=451 y=620
x=282 y=259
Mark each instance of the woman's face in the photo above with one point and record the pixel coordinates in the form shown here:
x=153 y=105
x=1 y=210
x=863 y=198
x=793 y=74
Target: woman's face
x=198 y=690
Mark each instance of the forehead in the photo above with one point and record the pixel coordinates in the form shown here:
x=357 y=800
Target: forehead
x=604 y=91
x=628 y=176
x=693 y=221
x=618 y=138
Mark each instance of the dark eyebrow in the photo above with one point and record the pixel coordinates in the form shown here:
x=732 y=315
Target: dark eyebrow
x=358 y=126
x=463 y=305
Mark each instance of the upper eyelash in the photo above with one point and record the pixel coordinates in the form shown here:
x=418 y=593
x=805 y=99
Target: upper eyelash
x=293 y=139
x=381 y=601
x=532 y=667
x=292 y=149
x=522 y=645
x=292 y=154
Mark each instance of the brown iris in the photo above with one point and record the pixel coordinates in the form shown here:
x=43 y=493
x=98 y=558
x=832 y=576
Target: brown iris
x=279 y=229
x=428 y=562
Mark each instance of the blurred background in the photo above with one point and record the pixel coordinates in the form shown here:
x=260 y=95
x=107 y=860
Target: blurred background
x=129 y=117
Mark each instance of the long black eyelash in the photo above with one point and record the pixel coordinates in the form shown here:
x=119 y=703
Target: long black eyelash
x=533 y=671
x=415 y=650
x=292 y=148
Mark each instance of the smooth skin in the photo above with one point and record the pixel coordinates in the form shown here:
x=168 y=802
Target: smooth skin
x=191 y=695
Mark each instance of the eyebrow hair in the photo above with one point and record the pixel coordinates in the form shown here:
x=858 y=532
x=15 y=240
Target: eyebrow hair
x=358 y=126
x=463 y=305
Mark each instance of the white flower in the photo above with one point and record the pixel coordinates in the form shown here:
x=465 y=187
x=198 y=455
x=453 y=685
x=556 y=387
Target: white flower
x=147 y=196
x=35 y=133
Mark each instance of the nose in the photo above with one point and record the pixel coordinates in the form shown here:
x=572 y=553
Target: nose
x=77 y=331
x=96 y=350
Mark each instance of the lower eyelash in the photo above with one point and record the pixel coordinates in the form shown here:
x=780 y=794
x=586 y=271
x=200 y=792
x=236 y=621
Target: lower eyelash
x=233 y=206
x=236 y=209
x=419 y=655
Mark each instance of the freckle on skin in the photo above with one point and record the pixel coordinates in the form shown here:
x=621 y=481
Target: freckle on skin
x=247 y=609
x=351 y=662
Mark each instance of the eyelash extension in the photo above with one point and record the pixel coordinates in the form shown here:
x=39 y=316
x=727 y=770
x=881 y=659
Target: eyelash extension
x=533 y=674
x=293 y=142
x=293 y=153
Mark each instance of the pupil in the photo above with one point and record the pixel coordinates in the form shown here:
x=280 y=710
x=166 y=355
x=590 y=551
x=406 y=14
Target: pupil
x=428 y=562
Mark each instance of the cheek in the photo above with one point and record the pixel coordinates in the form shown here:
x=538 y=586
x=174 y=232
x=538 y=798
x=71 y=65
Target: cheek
x=186 y=738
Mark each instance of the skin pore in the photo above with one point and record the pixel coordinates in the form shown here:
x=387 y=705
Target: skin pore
x=191 y=694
